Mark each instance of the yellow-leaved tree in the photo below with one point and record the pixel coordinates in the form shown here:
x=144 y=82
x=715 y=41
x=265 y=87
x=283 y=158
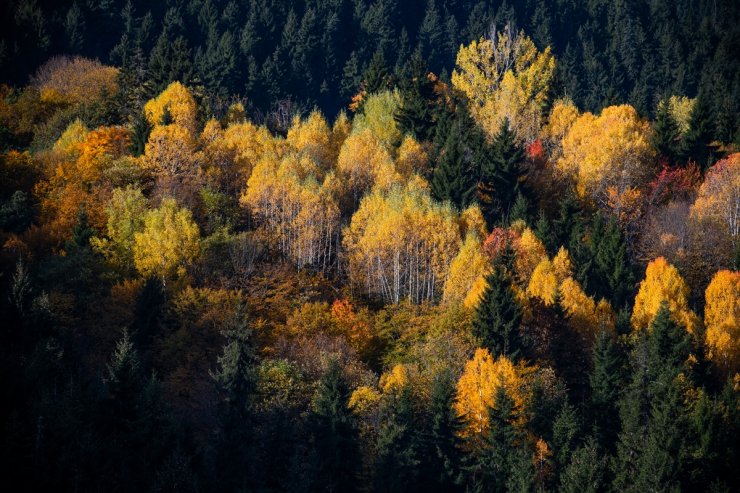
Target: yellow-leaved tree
x=400 y=244
x=363 y=163
x=662 y=283
x=294 y=201
x=469 y=265
x=504 y=76
x=168 y=243
x=612 y=150
x=126 y=211
x=476 y=391
x=312 y=137
x=175 y=105
x=722 y=320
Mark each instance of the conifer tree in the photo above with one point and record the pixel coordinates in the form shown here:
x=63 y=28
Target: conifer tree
x=453 y=178
x=376 y=78
x=695 y=144
x=605 y=380
x=235 y=378
x=440 y=466
x=500 y=169
x=416 y=113
x=586 y=470
x=498 y=316
x=334 y=434
x=490 y=468
x=543 y=230
x=665 y=133
x=397 y=468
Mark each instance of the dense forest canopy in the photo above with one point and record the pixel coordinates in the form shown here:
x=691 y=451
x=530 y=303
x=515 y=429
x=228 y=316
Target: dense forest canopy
x=316 y=51
x=392 y=246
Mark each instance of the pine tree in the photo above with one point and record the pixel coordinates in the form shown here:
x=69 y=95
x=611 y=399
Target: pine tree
x=543 y=230
x=605 y=380
x=609 y=272
x=81 y=232
x=440 y=466
x=398 y=448
x=520 y=210
x=376 y=78
x=565 y=436
x=585 y=472
x=334 y=434
x=500 y=169
x=490 y=468
x=453 y=178
x=235 y=378
x=695 y=144
x=665 y=133
x=415 y=116
x=498 y=316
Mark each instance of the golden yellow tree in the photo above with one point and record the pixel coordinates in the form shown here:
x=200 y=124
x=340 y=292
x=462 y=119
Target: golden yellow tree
x=170 y=150
x=469 y=265
x=364 y=162
x=476 y=390
x=400 y=244
x=168 y=243
x=662 y=283
x=722 y=320
x=505 y=77
x=312 y=137
x=609 y=150
x=126 y=211
x=544 y=282
x=174 y=105
x=562 y=116
x=412 y=158
x=295 y=202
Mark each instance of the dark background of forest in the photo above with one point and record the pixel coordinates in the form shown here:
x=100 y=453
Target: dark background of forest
x=315 y=52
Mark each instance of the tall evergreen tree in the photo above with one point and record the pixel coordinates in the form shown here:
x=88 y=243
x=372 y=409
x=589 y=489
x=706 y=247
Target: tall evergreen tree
x=609 y=274
x=665 y=133
x=490 y=468
x=498 y=316
x=500 y=171
x=586 y=471
x=440 y=457
x=399 y=454
x=453 y=176
x=235 y=378
x=334 y=435
x=696 y=142
x=415 y=115
x=605 y=380
x=376 y=78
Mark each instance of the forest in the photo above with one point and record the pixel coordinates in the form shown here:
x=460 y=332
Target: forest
x=370 y=245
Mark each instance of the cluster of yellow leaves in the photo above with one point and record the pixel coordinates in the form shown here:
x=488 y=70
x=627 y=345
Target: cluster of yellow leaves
x=170 y=150
x=680 y=108
x=609 y=150
x=556 y=276
x=722 y=320
x=75 y=80
x=529 y=253
x=476 y=390
x=312 y=137
x=176 y=100
x=562 y=116
x=377 y=117
x=468 y=266
x=662 y=283
x=297 y=209
x=412 y=158
x=364 y=163
x=400 y=244
x=168 y=242
x=719 y=197
x=505 y=78
x=126 y=211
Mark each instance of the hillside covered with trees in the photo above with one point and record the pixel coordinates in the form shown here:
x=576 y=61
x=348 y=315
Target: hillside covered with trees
x=382 y=246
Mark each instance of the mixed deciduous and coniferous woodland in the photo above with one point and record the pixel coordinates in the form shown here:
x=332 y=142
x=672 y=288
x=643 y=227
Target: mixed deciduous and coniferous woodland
x=370 y=245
